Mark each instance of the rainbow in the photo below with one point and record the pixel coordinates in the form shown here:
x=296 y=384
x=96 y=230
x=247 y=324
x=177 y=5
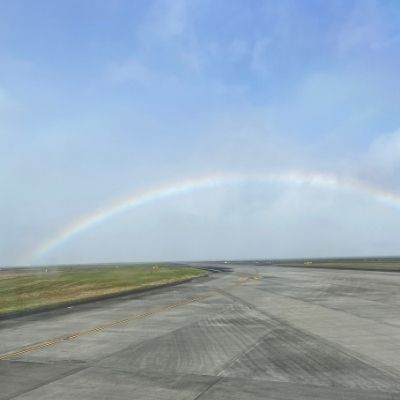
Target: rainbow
x=140 y=198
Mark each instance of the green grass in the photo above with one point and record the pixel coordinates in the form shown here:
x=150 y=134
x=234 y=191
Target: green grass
x=28 y=290
x=369 y=265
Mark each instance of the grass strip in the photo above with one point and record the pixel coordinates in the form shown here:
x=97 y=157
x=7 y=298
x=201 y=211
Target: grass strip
x=32 y=289
x=367 y=265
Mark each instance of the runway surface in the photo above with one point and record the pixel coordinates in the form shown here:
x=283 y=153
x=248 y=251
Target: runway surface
x=281 y=333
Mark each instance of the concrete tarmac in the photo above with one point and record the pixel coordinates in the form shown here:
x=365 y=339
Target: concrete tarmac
x=275 y=333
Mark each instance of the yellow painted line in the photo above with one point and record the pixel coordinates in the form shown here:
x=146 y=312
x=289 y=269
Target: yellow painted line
x=100 y=328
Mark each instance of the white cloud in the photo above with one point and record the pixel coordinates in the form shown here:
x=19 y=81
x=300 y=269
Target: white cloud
x=384 y=153
x=379 y=163
x=169 y=28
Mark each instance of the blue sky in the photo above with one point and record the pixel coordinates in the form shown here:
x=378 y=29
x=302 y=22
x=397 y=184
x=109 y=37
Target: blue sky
x=99 y=99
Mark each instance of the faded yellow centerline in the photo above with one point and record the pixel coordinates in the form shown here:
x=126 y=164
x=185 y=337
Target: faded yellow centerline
x=100 y=328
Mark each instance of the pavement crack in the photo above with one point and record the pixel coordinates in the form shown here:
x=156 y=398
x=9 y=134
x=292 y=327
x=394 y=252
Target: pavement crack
x=207 y=389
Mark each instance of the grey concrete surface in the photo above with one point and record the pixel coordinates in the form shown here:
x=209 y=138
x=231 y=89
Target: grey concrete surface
x=291 y=334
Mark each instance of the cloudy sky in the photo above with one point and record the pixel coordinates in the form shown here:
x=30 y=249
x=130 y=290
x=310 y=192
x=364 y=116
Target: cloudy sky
x=102 y=100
